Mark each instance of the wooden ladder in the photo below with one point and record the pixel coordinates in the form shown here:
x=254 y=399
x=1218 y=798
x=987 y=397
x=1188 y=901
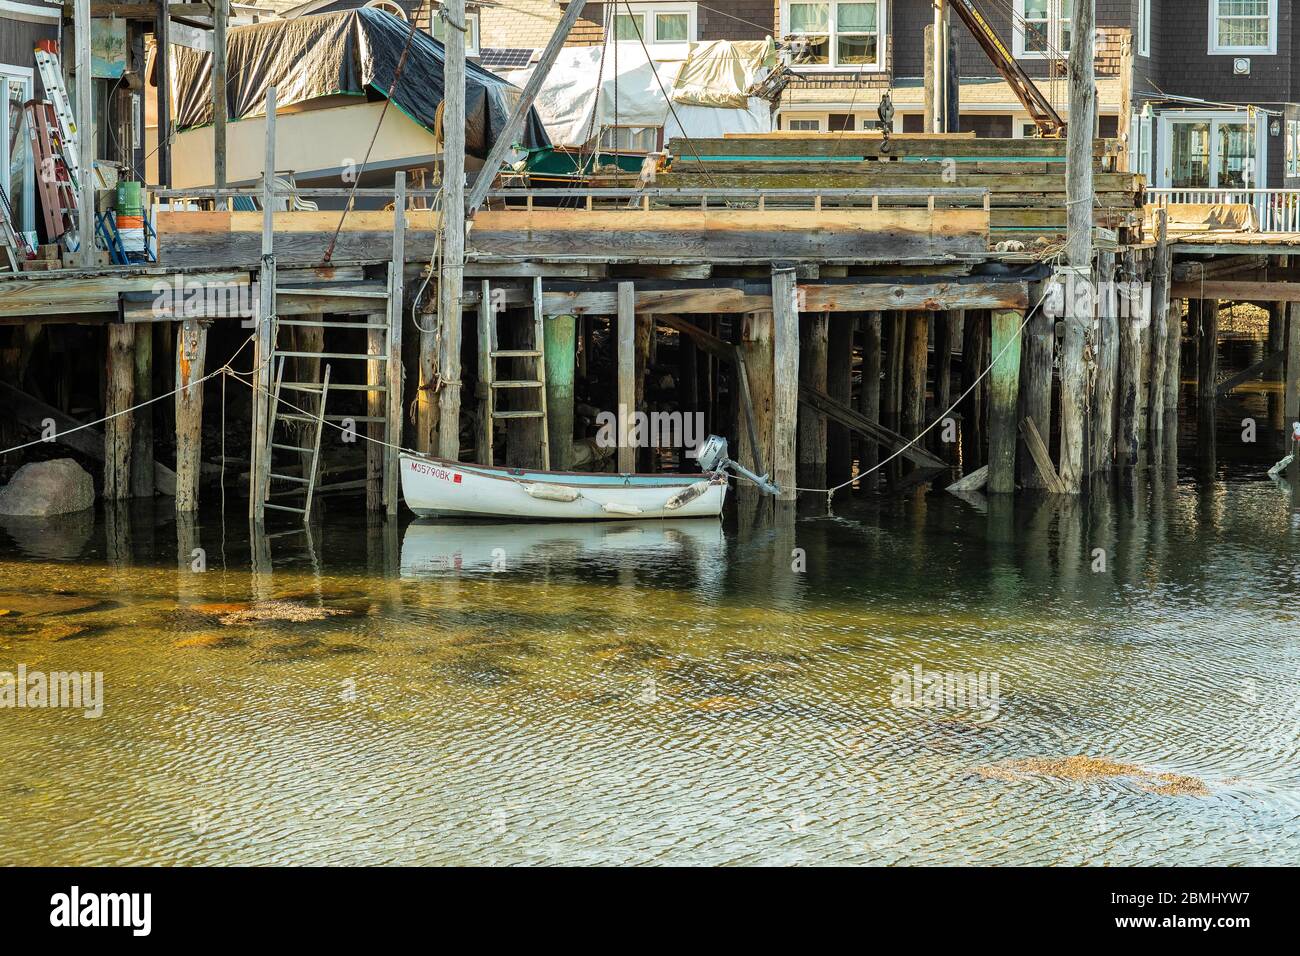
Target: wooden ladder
x=488 y=355
x=382 y=385
x=306 y=483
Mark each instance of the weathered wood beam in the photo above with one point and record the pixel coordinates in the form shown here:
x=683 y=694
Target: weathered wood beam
x=120 y=398
x=191 y=353
x=626 y=356
x=1228 y=290
x=1042 y=459
x=786 y=305
x=873 y=430
x=1003 y=401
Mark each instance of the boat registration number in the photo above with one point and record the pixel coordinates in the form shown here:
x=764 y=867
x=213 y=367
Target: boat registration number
x=434 y=471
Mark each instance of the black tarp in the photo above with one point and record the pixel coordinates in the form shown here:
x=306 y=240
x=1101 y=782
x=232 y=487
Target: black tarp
x=352 y=53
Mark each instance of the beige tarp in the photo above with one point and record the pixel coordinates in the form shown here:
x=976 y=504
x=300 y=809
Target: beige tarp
x=720 y=73
x=1208 y=217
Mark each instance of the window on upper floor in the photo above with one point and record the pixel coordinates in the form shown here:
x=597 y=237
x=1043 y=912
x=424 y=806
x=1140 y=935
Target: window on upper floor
x=835 y=34
x=471 y=35
x=1144 y=28
x=1243 y=26
x=666 y=28
x=1042 y=29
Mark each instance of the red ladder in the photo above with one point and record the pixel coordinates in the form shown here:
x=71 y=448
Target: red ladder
x=58 y=192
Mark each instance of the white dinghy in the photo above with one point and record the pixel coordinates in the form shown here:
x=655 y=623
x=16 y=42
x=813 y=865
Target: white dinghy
x=434 y=488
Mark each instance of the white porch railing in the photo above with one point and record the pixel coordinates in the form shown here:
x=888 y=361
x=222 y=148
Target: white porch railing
x=1278 y=210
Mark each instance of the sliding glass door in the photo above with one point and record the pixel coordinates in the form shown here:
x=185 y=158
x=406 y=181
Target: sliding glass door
x=16 y=175
x=1212 y=150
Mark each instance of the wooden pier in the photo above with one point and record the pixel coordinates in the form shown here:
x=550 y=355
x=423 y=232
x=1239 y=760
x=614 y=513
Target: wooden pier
x=892 y=305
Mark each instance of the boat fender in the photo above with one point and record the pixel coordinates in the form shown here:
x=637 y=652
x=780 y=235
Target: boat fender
x=617 y=508
x=686 y=495
x=552 y=492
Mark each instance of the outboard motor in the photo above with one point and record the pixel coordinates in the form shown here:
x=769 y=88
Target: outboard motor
x=712 y=456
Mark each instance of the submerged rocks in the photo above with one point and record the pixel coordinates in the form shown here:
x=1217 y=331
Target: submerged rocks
x=233 y=614
x=1084 y=769
x=43 y=488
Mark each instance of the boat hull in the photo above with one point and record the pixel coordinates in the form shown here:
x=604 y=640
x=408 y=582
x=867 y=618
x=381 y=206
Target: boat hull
x=440 y=489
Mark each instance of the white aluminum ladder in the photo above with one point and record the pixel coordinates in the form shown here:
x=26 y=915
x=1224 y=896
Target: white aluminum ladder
x=52 y=77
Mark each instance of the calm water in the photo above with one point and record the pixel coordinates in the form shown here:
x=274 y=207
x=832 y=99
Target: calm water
x=664 y=693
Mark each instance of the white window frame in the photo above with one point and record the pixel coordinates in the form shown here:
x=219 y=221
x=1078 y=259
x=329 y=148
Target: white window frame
x=1269 y=49
x=27 y=76
x=472 y=41
x=1292 y=149
x=816 y=126
x=1215 y=118
x=882 y=38
x=1020 y=51
x=1141 y=145
x=647 y=13
x=1144 y=28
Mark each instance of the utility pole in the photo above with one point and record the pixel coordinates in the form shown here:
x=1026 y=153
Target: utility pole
x=85 y=135
x=220 y=16
x=453 y=242
x=1078 y=248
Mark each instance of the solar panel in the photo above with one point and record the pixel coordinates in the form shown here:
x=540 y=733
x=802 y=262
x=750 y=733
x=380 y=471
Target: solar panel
x=505 y=58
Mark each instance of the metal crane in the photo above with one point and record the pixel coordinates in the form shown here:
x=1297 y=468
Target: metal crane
x=1042 y=112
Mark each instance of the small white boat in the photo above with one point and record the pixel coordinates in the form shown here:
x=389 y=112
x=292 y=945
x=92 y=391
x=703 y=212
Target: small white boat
x=434 y=488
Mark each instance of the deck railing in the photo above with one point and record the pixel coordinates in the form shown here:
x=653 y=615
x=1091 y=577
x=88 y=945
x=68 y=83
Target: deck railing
x=1278 y=210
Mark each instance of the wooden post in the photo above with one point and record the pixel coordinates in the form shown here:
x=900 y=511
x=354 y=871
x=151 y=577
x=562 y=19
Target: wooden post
x=1004 y=382
x=1276 y=343
x=453 y=269
x=869 y=396
x=1036 y=385
x=375 y=454
x=142 y=477
x=642 y=362
x=561 y=341
x=1173 y=373
x=1130 y=379
x=264 y=339
x=785 y=403
x=191 y=353
x=121 y=392
x=1107 y=352
x=839 y=386
x=86 y=137
x=1124 y=131
x=947 y=340
x=307 y=338
x=162 y=36
x=1208 y=352
x=1160 y=269
x=1291 y=386
x=916 y=335
x=396 y=319
x=483 y=442
x=974 y=358
x=220 y=14
x=756 y=351
x=813 y=342
x=626 y=375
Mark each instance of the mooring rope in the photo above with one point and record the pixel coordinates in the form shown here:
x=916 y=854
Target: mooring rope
x=126 y=411
x=830 y=492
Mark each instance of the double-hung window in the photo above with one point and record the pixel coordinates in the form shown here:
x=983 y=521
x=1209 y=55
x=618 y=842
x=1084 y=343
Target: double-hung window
x=667 y=29
x=843 y=35
x=1144 y=28
x=1243 y=26
x=1042 y=28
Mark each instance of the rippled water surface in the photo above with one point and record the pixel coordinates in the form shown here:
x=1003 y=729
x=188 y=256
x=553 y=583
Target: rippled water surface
x=664 y=693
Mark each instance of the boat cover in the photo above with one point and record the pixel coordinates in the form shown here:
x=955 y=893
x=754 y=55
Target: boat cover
x=351 y=53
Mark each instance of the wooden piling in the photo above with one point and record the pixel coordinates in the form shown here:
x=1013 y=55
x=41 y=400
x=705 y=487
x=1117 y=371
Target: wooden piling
x=756 y=352
x=120 y=396
x=839 y=386
x=1130 y=384
x=1291 y=381
x=814 y=334
x=142 y=477
x=1106 y=350
x=308 y=371
x=259 y=471
x=1004 y=400
x=396 y=316
x=191 y=353
x=626 y=301
x=1039 y=348
x=916 y=335
x=644 y=339
x=869 y=395
x=561 y=341
x=785 y=404
x=1276 y=343
x=947 y=340
x=974 y=359
x=1207 y=373
x=1160 y=279
x=484 y=433
x=374 y=408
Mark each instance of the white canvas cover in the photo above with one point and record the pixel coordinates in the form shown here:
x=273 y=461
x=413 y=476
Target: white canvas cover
x=568 y=98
